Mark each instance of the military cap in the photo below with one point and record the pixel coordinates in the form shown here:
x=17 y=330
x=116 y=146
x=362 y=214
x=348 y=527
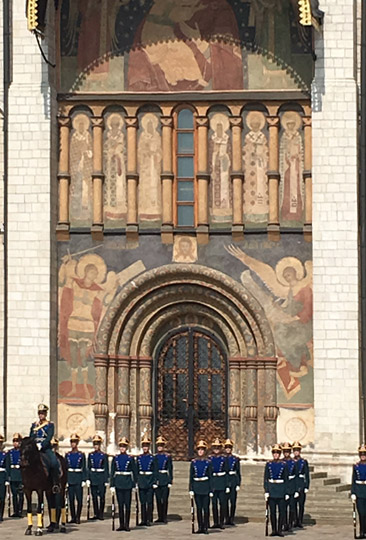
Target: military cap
x=286 y=447
x=42 y=408
x=74 y=437
x=2 y=438
x=145 y=440
x=229 y=442
x=54 y=441
x=216 y=442
x=276 y=448
x=202 y=444
x=160 y=441
x=17 y=437
x=124 y=442
x=362 y=449
x=297 y=445
x=97 y=439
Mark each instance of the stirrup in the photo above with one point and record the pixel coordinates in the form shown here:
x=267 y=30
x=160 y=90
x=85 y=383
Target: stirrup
x=56 y=489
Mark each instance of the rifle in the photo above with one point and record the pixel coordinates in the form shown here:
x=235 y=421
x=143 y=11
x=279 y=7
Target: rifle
x=113 y=511
x=354 y=520
x=137 y=507
x=88 y=504
x=267 y=517
x=67 y=504
x=9 y=500
x=192 y=514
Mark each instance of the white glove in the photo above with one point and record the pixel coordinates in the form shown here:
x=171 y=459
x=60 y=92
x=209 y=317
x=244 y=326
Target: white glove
x=306 y=490
x=266 y=496
x=237 y=488
x=83 y=484
x=227 y=490
x=353 y=497
x=155 y=486
x=39 y=446
x=7 y=483
x=287 y=497
x=87 y=483
x=113 y=490
x=210 y=495
x=296 y=495
x=106 y=484
x=191 y=494
x=169 y=486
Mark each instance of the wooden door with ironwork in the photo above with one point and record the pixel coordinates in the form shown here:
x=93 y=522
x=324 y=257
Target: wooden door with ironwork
x=191 y=390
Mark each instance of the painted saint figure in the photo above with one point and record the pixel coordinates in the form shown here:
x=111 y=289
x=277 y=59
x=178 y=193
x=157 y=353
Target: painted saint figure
x=255 y=161
x=149 y=162
x=221 y=197
x=291 y=186
x=115 y=191
x=81 y=168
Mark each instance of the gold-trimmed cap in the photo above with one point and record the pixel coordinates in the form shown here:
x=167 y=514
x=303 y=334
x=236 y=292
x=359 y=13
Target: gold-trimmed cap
x=145 y=440
x=74 y=437
x=42 y=408
x=2 y=438
x=362 y=449
x=229 y=442
x=297 y=446
x=202 y=444
x=17 y=437
x=123 y=441
x=55 y=441
x=286 y=447
x=97 y=439
x=276 y=448
x=161 y=441
x=216 y=442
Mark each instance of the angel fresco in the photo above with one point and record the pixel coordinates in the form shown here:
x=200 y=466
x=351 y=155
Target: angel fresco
x=288 y=303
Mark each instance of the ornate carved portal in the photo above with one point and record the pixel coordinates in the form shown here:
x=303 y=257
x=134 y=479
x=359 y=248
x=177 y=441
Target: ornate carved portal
x=191 y=390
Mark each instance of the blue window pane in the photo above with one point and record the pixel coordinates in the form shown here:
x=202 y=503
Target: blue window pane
x=202 y=353
x=185 y=143
x=216 y=359
x=203 y=398
x=169 y=358
x=185 y=167
x=185 y=216
x=185 y=119
x=182 y=356
x=185 y=191
x=182 y=395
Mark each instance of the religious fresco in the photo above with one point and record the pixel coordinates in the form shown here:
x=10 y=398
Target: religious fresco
x=149 y=156
x=255 y=166
x=277 y=274
x=167 y=46
x=220 y=167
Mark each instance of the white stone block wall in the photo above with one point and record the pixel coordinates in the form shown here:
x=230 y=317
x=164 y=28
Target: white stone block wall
x=32 y=182
x=335 y=240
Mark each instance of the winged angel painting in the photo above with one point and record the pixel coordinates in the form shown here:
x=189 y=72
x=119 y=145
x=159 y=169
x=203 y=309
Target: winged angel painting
x=287 y=299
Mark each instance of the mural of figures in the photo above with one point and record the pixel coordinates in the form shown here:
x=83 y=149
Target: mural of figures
x=255 y=164
x=115 y=189
x=185 y=249
x=291 y=168
x=81 y=168
x=172 y=49
x=221 y=192
x=149 y=163
x=289 y=308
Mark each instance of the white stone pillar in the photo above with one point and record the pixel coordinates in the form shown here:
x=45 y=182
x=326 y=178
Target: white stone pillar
x=32 y=208
x=335 y=242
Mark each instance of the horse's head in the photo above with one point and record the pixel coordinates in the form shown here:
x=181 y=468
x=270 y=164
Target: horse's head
x=28 y=451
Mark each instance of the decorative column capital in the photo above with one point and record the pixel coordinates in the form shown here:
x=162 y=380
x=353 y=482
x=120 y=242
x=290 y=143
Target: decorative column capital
x=64 y=121
x=234 y=412
x=236 y=121
x=146 y=410
x=251 y=412
x=307 y=121
x=100 y=410
x=270 y=412
x=132 y=122
x=273 y=121
x=166 y=121
x=123 y=410
x=202 y=121
x=97 y=121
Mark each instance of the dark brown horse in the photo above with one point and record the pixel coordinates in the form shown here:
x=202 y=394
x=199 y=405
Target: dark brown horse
x=35 y=478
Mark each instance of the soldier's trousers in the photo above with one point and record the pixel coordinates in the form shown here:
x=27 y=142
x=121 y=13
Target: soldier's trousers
x=2 y=500
x=162 y=496
x=277 y=522
x=75 y=492
x=219 y=497
x=290 y=512
x=202 y=506
x=17 y=496
x=300 y=507
x=361 y=509
x=98 y=496
x=231 y=505
x=146 y=497
x=124 y=497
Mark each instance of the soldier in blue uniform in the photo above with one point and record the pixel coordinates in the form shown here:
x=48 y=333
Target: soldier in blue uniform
x=164 y=479
x=358 y=489
x=123 y=480
x=3 y=481
x=76 y=477
x=42 y=432
x=14 y=476
x=275 y=487
x=291 y=491
x=146 y=480
x=234 y=477
x=200 y=486
x=220 y=483
x=302 y=483
x=98 y=477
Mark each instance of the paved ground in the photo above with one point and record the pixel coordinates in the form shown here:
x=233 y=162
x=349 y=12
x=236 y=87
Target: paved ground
x=11 y=529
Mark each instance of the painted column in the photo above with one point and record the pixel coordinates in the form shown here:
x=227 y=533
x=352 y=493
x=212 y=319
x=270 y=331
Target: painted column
x=145 y=405
x=134 y=435
x=98 y=177
x=308 y=181
x=132 y=178
x=101 y=404
x=273 y=178
x=237 y=177
x=251 y=409
x=234 y=399
x=123 y=398
x=270 y=405
x=167 y=179
x=262 y=402
x=203 y=179
x=63 y=225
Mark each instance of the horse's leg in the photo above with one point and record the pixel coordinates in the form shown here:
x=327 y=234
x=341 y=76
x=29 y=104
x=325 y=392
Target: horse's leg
x=28 y=495
x=62 y=511
x=39 y=531
x=52 y=509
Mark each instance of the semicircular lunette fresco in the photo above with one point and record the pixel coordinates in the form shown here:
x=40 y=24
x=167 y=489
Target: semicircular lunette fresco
x=167 y=46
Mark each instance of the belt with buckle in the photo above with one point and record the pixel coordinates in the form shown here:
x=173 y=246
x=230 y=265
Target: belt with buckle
x=218 y=474
x=232 y=472
x=124 y=473
x=301 y=475
x=145 y=472
x=163 y=472
x=15 y=466
x=96 y=470
x=75 y=470
x=202 y=479
x=271 y=481
x=2 y=469
x=291 y=477
x=362 y=482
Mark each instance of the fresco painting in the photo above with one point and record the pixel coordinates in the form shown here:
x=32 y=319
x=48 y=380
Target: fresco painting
x=220 y=167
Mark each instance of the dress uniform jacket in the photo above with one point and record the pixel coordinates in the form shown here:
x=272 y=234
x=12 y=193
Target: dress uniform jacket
x=98 y=469
x=13 y=465
x=302 y=475
x=123 y=472
x=234 y=472
x=200 y=478
x=220 y=469
x=3 y=475
x=358 y=487
x=276 y=479
x=146 y=468
x=76 y=468
x=292 y=476
x=163 y=469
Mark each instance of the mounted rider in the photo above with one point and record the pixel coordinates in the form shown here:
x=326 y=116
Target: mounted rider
x=42 y=432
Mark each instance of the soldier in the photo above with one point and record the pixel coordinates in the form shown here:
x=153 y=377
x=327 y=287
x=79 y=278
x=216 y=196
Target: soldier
x=14 y=476
x=3 y=481
x=123 y=479
x=220 y=483
x=234 y=481
x=42 y=432
x=291 y=491
x=146 y=480
x=164 y=479
x=358 y=489
x=275 y=487
x=200 y=486
x=98 y=477
x=76 y=477
x=302 y=483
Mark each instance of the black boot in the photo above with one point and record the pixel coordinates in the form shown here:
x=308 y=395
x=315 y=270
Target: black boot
x=215 y=514
x=95 y=508
x=143 y=516
x=121 y=519
x=20 y=504
x=78 y=515
x=205 y=523
x=101 y=510
x=2 y=506
x=222 y=517
x=165 y=510
x=149 y=515
x=127 y=520
x=55 y=479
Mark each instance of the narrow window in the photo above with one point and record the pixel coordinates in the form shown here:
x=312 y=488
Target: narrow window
x=185 y=169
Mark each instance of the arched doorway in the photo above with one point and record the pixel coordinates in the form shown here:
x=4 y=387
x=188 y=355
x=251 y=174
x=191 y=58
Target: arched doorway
x=191 y=381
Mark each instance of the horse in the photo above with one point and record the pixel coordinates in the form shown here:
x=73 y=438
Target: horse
x=35 y=478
